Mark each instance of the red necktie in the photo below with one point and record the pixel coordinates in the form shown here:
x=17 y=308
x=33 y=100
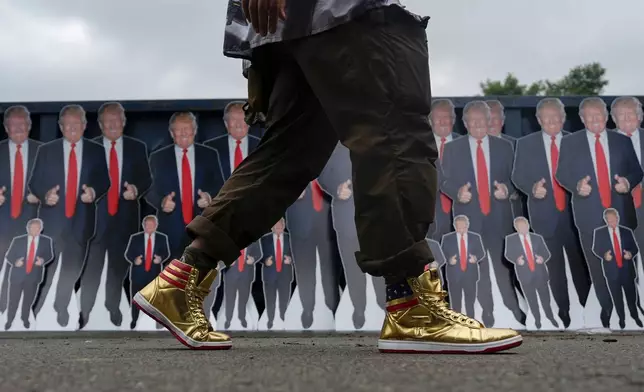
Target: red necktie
x=618 y=249
x=71 y=193
x=148 y=254
x=560 y=195
x=602 y=174
x=186 y=188
x=463 y=254
x=278 y=255
x=637 y=191
x=446 y=202
x=528 y=251
x=31 y=255
x=113 y=193
x=18 y=184
x=238 y=154
x=483 y=181
x=241 y=260
x=316 y=194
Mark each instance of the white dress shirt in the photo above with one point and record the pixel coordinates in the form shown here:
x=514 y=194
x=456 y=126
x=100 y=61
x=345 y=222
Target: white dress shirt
x=232 y=146
x=603 y=140
x=619 y=238
x=145 y=245
x=24 y=151
x=523 y=238
x=464 y=237
x=437 y=138
x=486 y=151
x=547 y=142
x=281 y=237
x=67 y=149
x=178 y=152
x=107 y=143
x=636 y=140
x=36 y=241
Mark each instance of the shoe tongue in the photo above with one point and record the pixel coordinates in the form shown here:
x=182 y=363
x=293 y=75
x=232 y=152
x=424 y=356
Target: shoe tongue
x=429 y=282
x=206 y=278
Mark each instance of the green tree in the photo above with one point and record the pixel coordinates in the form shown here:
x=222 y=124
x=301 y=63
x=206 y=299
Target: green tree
x=587 y=79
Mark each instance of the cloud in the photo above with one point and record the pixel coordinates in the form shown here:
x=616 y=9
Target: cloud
x=172 y=49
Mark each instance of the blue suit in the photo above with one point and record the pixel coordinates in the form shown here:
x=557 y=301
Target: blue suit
x=70 y=235
x=220 y=143
x=276 y=282
x=11 y=227
x=139 y=277
x=23 y=282
x=238 y=278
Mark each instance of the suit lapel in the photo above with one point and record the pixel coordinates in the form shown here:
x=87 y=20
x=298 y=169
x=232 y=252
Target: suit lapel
x=198 y=174
x=225 y=156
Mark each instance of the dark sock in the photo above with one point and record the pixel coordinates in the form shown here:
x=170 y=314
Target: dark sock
x=398 y=290
x=198 y=258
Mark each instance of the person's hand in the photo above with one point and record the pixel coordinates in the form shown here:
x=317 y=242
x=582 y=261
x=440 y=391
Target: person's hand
x=500 y=191
x=250 y=260
x=628 y=255
x=622 y=186
x=521 y=260
x=156 y=259
x=539 y=259
x=264 y=14
x=40 y=261
x=130 y=191
x=452 y=260
x=608 y=256
x=287 y=259
x=583 y=187
x=465 y=194
x=344 y=190
x=473 y=259
x=204 y=199
x=31 y=199
x=20 y=262
x=51 y=197
x=168 y=204
x=269 y=261
x=138 y=260
x=3 y=198
x=539 y=190
x=88 y=195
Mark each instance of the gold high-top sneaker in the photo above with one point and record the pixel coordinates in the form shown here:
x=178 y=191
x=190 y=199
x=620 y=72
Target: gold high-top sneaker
x=424 y=323
x=175 y=300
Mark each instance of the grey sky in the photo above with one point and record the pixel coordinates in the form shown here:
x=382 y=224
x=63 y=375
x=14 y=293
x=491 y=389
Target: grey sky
x=164 y=49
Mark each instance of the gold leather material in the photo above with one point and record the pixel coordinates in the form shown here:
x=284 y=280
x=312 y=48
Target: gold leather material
x=184 y=307
x=431 y=320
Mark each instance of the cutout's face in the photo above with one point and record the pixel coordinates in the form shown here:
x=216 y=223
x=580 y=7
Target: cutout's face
x=183 y=133
x=236 y=125
x=112 y=124
x=17 y=128
x=150 y=226
x=461 y=226
x=626 y=118
x=477 y=124
x=72 y=127
x=278 y=228
x=611 y=220
x=594 y=118
x=551 y=120
x=34 y=229
x=496 y=122
x=522 y=226
x=442 y=121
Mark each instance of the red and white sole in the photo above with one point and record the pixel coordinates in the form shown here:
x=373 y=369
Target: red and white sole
x=418 y=347
x=140 y=302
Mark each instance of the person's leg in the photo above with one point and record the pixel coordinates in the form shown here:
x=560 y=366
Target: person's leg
x=372 y=79
x=294 y=150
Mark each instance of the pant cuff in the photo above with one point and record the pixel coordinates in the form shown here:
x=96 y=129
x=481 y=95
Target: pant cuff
x=405 y=264
x=218 y=245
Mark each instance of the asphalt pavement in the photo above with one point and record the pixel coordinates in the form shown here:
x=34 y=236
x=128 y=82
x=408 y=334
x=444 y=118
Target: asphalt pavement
x=308 y=362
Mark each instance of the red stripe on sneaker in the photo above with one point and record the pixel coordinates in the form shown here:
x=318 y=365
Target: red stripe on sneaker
x=181 y=266
x=401 y=306
x=178 y=274
x=175 y=283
